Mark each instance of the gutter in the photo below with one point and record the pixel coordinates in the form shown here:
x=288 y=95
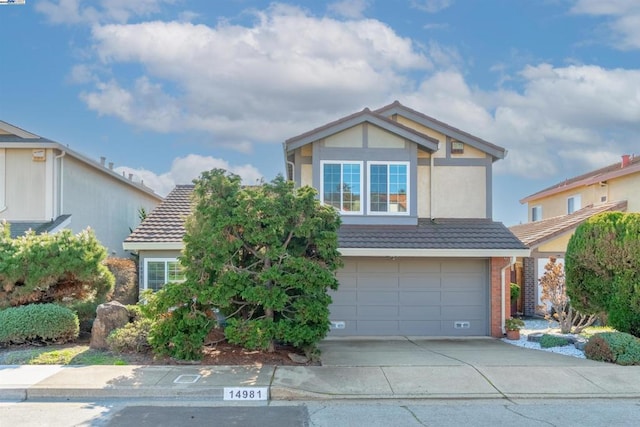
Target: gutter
x=503 y=287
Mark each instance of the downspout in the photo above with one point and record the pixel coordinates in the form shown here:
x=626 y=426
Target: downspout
x=293 y=171
x=60 y=156
x=512 y=261
x=431 y=185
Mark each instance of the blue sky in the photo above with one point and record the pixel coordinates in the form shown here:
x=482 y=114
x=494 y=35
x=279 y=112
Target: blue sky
x=166 y=89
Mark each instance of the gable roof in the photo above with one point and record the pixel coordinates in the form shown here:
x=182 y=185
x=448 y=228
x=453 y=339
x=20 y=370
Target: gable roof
x=164 y=227
x=396 y=107
x=438 y=237
x=19 y=228
x=599 y=175
x=535 y=233
x=14 y=137
x=366 y=115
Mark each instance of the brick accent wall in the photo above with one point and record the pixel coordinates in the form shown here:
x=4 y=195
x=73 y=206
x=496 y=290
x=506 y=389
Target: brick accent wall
x=496 y=301
x=529 y=287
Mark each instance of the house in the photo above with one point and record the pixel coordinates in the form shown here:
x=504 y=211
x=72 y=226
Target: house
x=46 y=186
x=422 y=255
x=556 y=211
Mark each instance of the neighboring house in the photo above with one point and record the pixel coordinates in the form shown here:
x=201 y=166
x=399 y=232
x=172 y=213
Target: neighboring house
x=555 y=213
x=46 y=187
x=422 y=255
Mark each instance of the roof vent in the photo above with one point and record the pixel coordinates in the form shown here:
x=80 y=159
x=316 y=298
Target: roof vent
x=626 y=159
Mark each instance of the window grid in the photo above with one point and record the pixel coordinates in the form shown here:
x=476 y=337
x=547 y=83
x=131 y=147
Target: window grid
x=342 y=186
x=388 y=188
x=159 y=272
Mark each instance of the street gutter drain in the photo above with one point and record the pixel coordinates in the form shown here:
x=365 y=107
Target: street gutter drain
x=187 y=379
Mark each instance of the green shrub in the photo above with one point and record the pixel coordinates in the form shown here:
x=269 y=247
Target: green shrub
x=548 y=341
x=614 y=347
x=48 y=323
x=133 y=337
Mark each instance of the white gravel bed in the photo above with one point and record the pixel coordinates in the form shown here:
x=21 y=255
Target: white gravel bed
x=543 y=326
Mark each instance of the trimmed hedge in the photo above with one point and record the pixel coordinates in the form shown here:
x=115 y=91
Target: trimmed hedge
x=615 y=347
x=49 y=323
x=548 y=341
x=131 y=338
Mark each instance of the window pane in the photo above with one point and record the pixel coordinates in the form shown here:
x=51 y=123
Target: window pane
x=155 y=275
x=175 y=272
x=378 y=185
x=397 y=188
x=351 y=187
x=332 y=185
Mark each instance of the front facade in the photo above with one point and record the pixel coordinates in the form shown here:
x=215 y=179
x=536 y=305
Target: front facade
x=555 y=213
x=45 y=186
x=422 y=256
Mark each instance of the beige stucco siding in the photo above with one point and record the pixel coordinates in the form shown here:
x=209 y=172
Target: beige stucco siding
x=25 y=186
x=424 y=202
x=626 y=188
x=103 y=202
x=306 y=177
x=559 y=244
x=349 y=138
x=460 y=192
x=379 y=138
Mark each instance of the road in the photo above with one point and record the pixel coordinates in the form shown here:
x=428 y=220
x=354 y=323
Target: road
x=122 y=413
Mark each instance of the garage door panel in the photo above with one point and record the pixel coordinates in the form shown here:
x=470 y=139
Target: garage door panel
x=421 y=297
x=426 y=281
x=379 y=281
x=377 y=297
x=378 y=312
x=463 y=298
x=421 y=313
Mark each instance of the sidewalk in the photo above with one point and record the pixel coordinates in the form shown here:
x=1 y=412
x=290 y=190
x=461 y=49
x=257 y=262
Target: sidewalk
x=352 y=369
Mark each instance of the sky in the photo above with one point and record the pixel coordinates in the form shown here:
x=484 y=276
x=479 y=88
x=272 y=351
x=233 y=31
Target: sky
x=167 y=89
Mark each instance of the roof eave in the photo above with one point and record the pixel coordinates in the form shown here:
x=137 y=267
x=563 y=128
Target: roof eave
x=434 y=253
x=151 y=246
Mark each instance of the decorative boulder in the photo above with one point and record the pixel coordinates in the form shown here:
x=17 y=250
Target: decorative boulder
x=109 y=317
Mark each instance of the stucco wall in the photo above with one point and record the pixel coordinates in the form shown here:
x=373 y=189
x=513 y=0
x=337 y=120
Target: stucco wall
x=109 y=206
x=24 y=185
x=460 y=192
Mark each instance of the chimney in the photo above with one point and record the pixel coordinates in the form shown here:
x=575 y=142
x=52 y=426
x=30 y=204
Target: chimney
x=102 y=160
x=626 y=159
x=130 y=177
x=111 y=165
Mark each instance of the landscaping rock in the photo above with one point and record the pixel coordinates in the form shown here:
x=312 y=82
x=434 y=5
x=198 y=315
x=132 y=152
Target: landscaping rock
x=298 y=358
x=109 y=316
x=535 y=337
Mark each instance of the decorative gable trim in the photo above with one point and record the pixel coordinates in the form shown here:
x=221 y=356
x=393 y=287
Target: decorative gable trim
x=396 y=108
x=364 y=116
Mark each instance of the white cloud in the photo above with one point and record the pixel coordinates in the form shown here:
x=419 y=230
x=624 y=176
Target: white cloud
x=431 y=6
x=349 y=8
x=73 y=12
x=624 y=17
x=185 y=169
x=287 y=72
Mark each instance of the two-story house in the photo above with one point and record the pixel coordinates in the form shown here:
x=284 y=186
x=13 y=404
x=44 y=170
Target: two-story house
x=556 y=211
x=422 y=255
x=46 y=186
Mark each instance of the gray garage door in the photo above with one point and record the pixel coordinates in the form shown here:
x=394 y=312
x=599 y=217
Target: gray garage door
x=414 y=296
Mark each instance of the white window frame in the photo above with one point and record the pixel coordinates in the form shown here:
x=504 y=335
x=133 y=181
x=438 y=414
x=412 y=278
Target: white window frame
x=166 y=269
x=577 y=203
x=536 y=208
x=388 y=163
x=342 y=163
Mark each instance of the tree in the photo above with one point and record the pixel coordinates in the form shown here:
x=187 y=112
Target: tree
x=61 y=267
x=603 y=268
x=554 y=292
x=265 y=257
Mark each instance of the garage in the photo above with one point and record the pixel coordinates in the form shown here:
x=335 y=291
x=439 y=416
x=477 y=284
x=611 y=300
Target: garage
x=411 y=296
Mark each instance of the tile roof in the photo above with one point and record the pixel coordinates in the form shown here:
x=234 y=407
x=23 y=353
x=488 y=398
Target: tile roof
x=599 y=175
x=430 y=234
x=19 y=228
x=534 y=233
x=166 y=222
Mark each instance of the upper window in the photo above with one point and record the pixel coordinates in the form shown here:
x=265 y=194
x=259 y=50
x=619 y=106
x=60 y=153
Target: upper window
x=389 y=187
x=573 y=203
x=536 y=213
x=341 y=186
x=160 y=271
